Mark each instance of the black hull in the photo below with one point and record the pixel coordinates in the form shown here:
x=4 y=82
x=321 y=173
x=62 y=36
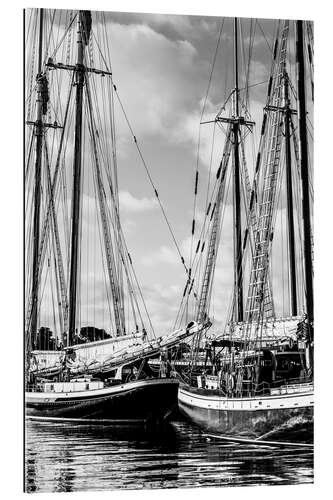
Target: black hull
x=133 y=401
x=278 y=424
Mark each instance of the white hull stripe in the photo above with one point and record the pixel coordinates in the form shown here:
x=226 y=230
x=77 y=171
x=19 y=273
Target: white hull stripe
x=280 y=402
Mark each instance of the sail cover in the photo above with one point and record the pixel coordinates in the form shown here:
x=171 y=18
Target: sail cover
x=278 y=329
x=107 y=355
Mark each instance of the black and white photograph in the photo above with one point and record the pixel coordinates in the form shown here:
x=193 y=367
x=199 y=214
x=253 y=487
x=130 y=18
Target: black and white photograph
x=168 y=250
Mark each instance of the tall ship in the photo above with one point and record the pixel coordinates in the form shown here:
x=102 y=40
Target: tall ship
x=88 y=334
x=253 y=379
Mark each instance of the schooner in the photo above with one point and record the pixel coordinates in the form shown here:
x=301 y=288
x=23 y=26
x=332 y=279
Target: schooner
x=257 y=378
x=88 y=333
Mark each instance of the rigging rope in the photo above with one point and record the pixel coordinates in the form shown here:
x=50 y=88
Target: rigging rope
x=151 y=182
x=198 y=156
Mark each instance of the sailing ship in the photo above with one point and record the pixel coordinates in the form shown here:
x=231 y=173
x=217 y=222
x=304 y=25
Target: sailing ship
x=74 y=238
x=257 y=379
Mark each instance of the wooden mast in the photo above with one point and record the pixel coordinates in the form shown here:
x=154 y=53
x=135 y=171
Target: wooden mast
x=238 y=254
x=37 y=188
x=304 y=173
x=79 y=82
x=290 y=202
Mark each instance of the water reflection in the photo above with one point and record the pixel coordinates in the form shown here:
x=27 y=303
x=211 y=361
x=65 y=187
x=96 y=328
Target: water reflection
x=67 y=457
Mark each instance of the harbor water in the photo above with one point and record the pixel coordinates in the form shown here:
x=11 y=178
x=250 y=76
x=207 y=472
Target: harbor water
x=63 y=457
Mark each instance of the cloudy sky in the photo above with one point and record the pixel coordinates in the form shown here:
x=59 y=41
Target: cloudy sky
x=161 y=66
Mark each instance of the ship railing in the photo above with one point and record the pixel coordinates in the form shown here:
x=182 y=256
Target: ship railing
x=284 y=386
x=33 y=388
x=248 y=388
x=291 y=386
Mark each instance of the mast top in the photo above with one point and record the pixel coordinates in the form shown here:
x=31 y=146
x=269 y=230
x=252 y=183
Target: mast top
x=236 y=91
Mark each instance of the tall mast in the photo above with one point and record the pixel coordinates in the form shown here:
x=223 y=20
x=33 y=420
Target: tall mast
x=290 y=204
x=304 y=171
x=238 y=254
x=37 y=188
x=79 y=82
x=231 y=146
x=80 y=69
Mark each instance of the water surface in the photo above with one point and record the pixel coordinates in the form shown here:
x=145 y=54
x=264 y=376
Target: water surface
x=67 y=457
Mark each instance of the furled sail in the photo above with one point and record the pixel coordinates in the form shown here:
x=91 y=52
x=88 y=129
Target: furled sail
x=107 y=355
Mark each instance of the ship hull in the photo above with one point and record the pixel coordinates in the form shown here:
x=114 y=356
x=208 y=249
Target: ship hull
x=272 y=418
x=140 y=400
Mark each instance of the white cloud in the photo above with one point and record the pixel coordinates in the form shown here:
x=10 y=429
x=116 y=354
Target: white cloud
x=164 y=255
x=162 y=302
x=129 y=203
x=151 y=72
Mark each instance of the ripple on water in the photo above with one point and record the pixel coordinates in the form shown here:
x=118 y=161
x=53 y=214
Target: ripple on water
x=76 y=458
